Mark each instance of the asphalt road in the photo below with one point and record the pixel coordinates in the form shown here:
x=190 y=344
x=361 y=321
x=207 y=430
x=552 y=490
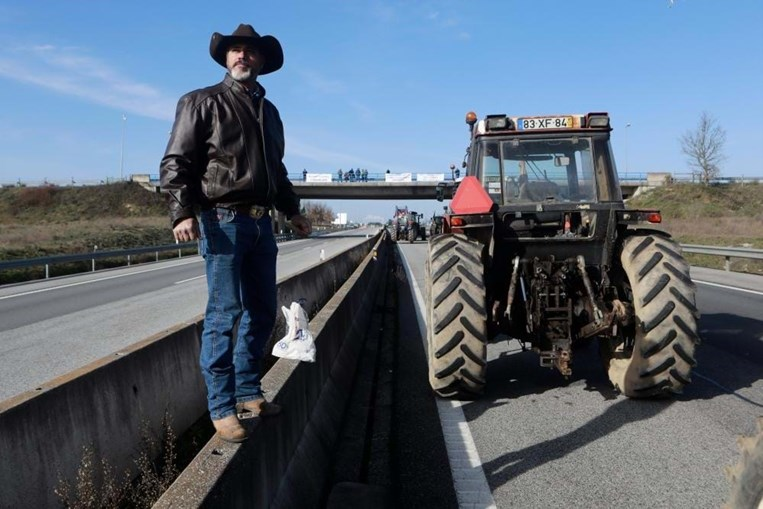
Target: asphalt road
x=543 y=441
x=51 y=327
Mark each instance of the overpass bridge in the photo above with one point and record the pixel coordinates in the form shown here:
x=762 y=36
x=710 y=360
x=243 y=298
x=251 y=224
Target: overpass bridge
x=377 y=188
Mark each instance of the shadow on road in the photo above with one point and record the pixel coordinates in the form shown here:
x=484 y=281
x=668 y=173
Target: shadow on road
x=737 y=366
x=515 y=374
x=513 y=464
x=735 y=335
x=729 y=358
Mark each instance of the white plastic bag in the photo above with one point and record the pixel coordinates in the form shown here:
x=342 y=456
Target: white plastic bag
x=298 y=343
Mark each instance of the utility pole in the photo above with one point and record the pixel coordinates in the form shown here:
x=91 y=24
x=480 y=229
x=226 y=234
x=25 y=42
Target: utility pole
x=626 y=147
x=122 y=150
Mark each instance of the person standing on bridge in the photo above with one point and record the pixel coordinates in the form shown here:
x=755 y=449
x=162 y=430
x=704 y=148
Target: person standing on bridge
x=224 y=164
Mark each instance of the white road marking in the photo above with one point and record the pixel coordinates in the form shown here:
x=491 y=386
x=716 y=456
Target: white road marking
x=472 y=490
x=727 y=287
x=189 y=279
x=41 y=290
x=723 y=387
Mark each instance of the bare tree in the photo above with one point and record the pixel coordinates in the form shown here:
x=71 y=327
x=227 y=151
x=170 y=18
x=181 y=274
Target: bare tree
x=318 y=213
x=703 y=147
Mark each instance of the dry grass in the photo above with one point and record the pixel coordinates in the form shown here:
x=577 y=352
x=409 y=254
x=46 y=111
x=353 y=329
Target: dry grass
x=98 y=486
x=718 y=231
x=727 y=216
x=14 y=235
x=44 y=221
x=49 y=221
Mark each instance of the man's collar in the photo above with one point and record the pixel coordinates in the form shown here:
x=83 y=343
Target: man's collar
x=249 y=89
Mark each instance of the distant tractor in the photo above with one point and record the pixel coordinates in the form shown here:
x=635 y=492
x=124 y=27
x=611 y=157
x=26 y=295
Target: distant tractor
x=406 y=225
x=398 y=227
x=435 y=225
x=538 y=246
x=416 y=228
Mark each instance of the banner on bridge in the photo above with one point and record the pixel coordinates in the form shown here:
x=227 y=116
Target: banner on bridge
x=398 y=177
x=430 y=177
x=318 y=177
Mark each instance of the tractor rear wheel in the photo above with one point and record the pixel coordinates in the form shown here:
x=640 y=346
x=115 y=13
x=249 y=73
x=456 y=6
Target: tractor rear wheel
x=657 y=356
x=457 y=317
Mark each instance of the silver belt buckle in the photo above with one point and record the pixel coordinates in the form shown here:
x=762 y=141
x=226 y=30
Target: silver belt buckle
x=257 y=211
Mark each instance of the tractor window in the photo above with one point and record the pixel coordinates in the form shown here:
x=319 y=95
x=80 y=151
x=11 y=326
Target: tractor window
x=544 y=170
x=491 y=170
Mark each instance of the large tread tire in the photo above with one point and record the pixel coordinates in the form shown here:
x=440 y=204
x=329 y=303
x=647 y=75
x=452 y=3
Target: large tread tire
x=746 y=477
x=411 y=235
x=457 y=317
x=393 y=234
x=665 y=334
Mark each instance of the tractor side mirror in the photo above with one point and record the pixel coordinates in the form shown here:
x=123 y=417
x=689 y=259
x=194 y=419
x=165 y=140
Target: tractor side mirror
x=440 y=192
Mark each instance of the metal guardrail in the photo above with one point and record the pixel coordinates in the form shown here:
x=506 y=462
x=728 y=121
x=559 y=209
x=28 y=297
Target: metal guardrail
x=47 y=261
x=727 y=252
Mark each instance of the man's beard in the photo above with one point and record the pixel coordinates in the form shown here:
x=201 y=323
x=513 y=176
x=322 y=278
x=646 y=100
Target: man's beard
x=241 y=73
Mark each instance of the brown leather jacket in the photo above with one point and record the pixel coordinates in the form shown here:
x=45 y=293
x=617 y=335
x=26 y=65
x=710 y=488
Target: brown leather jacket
x=225 y=149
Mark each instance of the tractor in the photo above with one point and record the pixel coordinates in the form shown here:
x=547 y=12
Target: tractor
x=539 y=246
x=398 y=226
x=416 y=228
x=435 y=225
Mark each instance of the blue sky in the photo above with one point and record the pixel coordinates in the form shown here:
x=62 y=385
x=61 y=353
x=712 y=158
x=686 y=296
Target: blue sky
x=377 y=84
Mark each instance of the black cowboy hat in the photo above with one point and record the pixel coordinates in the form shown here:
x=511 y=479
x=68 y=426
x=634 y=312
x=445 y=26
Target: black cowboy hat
x=245 y=34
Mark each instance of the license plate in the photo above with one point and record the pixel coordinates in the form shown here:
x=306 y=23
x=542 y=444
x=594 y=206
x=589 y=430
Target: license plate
x=526 y=124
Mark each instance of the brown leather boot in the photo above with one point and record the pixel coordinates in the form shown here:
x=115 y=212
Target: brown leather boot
x=230 y=429
x=257 y=408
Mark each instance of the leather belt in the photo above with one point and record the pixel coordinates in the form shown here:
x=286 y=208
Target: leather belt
x=255 y=211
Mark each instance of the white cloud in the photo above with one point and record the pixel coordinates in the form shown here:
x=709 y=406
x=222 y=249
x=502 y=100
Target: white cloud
x=364 y=112
x=326 y=86
x=383 y=11
x=71 y=72
x=329 y=158
x=430 y=12
x=320 y=83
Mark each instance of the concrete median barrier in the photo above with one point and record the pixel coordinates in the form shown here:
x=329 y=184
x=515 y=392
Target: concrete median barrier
x=286 y=459
x=108 y=404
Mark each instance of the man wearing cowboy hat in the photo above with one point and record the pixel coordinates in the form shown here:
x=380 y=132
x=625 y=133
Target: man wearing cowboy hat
x=223 y=171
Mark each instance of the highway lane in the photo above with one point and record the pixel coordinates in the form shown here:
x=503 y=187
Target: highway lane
x=546 y=442
x=51 y=327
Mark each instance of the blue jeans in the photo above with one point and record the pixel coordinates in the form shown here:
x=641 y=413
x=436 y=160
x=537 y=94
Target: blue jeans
x=240 y=254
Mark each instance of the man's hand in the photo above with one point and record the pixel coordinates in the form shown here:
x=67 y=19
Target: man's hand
x=301 y=225
x=186 y=230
